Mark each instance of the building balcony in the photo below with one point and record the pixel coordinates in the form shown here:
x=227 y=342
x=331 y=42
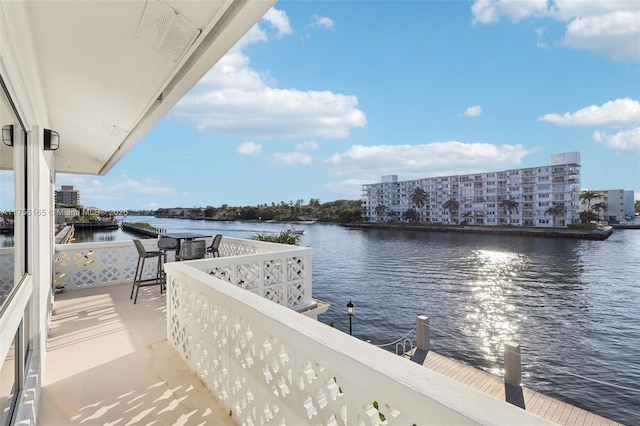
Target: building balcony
x=232 y=340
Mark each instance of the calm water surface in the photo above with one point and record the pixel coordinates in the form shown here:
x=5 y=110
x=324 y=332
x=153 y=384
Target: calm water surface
x=571 y=304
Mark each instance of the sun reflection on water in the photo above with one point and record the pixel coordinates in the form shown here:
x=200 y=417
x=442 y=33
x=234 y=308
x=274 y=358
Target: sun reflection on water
x=491 y=314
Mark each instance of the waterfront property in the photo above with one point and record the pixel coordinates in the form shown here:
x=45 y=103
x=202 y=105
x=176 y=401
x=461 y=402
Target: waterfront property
x=610 y=205
x=82 y=83
x=544 y=196
x=245 y=325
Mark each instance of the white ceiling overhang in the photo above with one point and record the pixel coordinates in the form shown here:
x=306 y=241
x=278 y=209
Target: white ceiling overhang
x=111 y=69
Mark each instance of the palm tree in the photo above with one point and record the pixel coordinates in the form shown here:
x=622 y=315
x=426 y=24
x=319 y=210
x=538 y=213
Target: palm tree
x=588 y=195
x=588 y=216
x=411 y=215
x=452 y=205
x=557 y=210
x=599 y=206
x=419 y=198
x=508 y=206
x=381 y=209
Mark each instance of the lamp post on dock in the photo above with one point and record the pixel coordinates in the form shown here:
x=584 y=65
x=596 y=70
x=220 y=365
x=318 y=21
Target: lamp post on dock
x=350 y=311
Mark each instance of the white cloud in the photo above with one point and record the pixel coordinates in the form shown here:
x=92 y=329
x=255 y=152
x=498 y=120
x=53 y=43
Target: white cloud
x=489 y=11
x=307 y=146
x=234 y=98
x=473 y=111
x=291 y=158
x=606 y=27
x=279 y=20
x=322 y=22
x=626 y=140
x=249 y=149
x=540 y=33
x=619 y=112
x=121 y=188
x=566 y=10
x=349 y=188
x=616 y=35
x=418 y=161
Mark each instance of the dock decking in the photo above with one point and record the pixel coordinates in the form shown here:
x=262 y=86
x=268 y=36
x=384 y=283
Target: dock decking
x=532 y=401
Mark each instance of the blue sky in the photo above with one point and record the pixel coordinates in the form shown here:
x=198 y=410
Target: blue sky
x=322 y=97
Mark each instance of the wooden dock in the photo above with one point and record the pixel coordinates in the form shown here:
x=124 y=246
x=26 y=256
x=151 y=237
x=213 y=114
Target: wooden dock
x=133 y=228
x=532 y=401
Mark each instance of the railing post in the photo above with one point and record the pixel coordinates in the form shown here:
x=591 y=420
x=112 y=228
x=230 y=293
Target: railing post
x=512 y=364
x=422 y=333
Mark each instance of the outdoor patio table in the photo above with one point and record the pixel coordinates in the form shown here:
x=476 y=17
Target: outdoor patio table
x=184 y=236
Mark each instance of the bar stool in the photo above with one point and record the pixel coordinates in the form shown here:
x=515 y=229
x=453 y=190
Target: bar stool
x=166 y=244
x=138 y=282
x=214 y=248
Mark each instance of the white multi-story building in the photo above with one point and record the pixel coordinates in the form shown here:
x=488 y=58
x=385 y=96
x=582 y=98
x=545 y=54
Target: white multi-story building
x=518 y=197
x=610 y=205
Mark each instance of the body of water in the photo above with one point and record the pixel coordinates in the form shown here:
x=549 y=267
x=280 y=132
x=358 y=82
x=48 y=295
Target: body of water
x=571 y=304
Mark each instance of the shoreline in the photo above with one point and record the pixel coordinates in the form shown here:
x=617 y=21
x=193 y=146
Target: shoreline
x=583 y=234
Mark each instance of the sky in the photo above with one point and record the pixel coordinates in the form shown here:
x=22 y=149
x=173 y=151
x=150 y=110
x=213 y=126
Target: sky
x=320 y=98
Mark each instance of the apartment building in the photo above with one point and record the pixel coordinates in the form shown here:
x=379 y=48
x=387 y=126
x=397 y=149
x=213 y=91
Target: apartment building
x=611 y=205
x=67 y=195
x=543 y=196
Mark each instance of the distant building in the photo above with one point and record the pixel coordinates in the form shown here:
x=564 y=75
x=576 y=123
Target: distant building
x=611 y=205
x=629 y=204
x=67 y=195
x=517 y=197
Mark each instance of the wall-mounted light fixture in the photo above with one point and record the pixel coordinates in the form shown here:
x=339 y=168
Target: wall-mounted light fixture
x=7 y=135
x=51 y=140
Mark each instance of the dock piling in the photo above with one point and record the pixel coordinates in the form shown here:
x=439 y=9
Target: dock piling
x=422 y=333
x=512 y=364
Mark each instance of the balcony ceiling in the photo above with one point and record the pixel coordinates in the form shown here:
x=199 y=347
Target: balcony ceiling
x=111 y=69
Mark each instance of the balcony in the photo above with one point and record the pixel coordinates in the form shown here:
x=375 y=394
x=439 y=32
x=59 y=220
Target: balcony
x=208 y=350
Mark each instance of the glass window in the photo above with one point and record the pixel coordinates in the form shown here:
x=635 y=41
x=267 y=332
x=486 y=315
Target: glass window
x=8 y=388
x=13 y=243
x=7 y=199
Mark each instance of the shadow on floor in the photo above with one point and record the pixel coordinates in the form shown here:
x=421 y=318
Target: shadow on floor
x=514 y=395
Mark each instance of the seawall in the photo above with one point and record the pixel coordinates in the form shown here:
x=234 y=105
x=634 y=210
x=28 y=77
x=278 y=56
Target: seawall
x=583 y=234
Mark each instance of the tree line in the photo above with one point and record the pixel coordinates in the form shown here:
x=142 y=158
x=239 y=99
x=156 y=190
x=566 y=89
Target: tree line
x=342 y=211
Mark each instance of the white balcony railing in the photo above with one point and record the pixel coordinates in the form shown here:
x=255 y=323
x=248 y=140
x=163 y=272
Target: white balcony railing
x=278 y=272
x=6 y=271
x=269 y=365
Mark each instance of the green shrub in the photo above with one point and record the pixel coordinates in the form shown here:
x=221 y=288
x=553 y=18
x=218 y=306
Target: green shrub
x=285 y=237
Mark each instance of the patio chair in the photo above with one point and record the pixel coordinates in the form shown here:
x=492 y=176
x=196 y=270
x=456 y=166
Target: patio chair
x=166 y=244
x=138 y=281
x=193 y=249
x=213 y=248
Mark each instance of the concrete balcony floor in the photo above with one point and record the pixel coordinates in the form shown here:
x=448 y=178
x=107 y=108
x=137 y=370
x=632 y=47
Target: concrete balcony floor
x=109 y=363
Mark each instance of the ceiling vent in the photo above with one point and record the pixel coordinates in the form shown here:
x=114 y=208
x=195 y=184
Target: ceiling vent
x=168 y=32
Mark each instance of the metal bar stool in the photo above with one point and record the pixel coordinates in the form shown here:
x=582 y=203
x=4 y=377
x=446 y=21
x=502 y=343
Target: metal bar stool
x=166 y=244
x=214 y=248
x=138 y=281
